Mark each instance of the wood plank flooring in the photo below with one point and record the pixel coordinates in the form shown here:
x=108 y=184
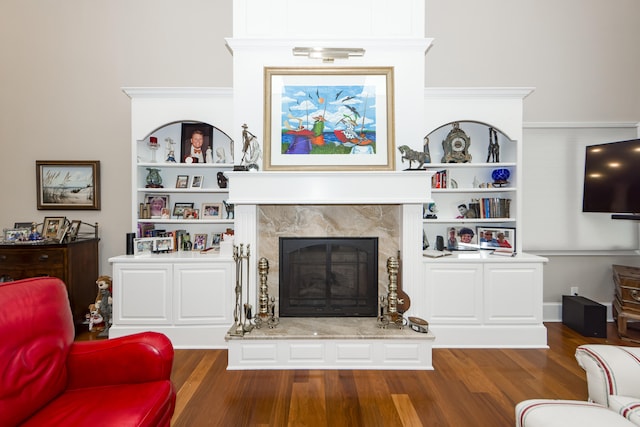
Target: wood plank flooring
x=469 y=387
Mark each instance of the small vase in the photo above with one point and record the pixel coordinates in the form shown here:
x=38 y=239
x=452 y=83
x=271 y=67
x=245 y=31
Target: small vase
x=500 y=177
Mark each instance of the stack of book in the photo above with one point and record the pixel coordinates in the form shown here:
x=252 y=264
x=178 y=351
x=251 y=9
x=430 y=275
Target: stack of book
x=439 y=179
x=491 y=207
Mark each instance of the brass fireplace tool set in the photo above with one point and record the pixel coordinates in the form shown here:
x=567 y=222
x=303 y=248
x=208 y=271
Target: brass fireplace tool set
x=389 y=313
x=266 y=305
x=242 y=315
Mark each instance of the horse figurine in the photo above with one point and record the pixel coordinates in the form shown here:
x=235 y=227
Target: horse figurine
x=414 y=156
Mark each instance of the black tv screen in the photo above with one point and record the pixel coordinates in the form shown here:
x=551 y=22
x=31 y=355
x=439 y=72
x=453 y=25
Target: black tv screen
x=612 y=177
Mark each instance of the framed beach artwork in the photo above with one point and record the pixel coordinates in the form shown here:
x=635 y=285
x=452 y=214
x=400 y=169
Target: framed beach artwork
x=68 y=184
x=329 y=118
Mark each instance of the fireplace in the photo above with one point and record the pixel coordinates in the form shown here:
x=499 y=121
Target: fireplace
x=328 y=276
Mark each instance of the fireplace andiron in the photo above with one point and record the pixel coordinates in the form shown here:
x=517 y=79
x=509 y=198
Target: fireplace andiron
x=389 y=314
x=266 y=306
x=241 y=315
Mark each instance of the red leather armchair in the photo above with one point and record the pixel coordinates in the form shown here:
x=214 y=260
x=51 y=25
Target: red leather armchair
x=47 y=379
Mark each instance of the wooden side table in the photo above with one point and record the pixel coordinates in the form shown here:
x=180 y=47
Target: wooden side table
x=626 y=304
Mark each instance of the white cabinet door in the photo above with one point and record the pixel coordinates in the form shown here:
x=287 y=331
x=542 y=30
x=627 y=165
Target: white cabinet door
x=513 y=293
x=202 y=294
x=142 y=294
x=454 y=293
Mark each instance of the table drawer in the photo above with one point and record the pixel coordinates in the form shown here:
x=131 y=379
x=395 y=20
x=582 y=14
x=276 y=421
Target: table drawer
x=32 y=258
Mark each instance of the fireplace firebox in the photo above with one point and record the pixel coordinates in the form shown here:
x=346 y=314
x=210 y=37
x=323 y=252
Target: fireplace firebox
x=328 y=277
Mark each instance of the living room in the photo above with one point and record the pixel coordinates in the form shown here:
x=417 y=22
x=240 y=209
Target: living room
x=64 y=100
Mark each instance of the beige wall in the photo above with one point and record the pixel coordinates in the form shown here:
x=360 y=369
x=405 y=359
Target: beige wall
x=64 y=63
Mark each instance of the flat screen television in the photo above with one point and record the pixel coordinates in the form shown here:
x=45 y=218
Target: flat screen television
x=612 y=179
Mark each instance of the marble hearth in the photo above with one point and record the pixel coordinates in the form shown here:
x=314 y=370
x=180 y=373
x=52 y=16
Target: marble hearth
x=387 y=205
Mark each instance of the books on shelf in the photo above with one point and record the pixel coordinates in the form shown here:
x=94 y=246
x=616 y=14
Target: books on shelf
x=440 y=179
x=491 y=207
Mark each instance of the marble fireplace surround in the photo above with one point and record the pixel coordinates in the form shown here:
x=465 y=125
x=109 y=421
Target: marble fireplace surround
x=387 y=205
x=383 y=204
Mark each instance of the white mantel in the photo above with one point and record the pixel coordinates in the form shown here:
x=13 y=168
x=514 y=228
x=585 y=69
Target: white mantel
x=334 y=188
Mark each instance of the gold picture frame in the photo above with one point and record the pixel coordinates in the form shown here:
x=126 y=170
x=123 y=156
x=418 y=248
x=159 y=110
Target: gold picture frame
x=329 y=118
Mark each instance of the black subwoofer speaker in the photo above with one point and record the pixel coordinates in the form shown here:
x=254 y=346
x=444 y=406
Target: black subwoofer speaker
x=584 y=316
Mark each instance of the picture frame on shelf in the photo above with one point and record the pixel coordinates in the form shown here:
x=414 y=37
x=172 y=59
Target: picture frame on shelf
x=156 y=202
x=68 y=184
x=197 y=181
x=143 y=245
x=191 y=213
x=503 y=238
x=216 y=238
x=199 y=241
x=18 y=234
x=162 y=244
x=196 y=138
x=53 y=227
x=322 y=118
x=179 y=207
x=211 y=210
x=466 y=239
x=74 y=228
x=23 y=224
x=182 y=181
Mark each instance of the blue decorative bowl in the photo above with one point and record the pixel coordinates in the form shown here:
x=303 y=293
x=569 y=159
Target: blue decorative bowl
x=500 y=176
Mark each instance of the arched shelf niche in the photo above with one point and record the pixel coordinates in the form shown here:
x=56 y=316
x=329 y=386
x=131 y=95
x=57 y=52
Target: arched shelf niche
x=175 y=136
x=479 y=136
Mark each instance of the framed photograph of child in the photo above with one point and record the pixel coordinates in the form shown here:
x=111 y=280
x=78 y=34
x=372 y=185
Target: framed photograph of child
x=196 y=139
x=496 y=237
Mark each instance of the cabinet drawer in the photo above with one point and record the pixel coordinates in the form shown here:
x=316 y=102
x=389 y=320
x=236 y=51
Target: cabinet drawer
x=33 y=258
x=629 y=297
x=17 y=273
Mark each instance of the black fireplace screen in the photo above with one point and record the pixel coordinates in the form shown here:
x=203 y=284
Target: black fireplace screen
x=328 y=277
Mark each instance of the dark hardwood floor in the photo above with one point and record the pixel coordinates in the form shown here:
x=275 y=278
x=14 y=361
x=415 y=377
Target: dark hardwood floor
x=469 y=387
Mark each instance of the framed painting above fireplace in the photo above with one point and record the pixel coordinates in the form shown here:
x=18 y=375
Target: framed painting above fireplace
x=329 y=118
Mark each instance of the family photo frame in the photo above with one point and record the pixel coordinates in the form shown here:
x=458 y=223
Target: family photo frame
x=68 y=184
x=496 y=237
x=321 y=118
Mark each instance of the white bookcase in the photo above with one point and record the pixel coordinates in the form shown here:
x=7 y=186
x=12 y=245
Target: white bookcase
x=186 y=295
x=474 y=298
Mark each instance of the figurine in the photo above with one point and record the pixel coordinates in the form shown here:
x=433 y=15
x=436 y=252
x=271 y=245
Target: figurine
x=102 y=308
x=414 y=156
x=251 y=151
x=494 y=148
x=230 y=208
x=209 y=155
x=171 y=156
x=222 y=180
x=220 y=155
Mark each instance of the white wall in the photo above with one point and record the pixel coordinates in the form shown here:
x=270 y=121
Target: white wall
x=64 y=63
